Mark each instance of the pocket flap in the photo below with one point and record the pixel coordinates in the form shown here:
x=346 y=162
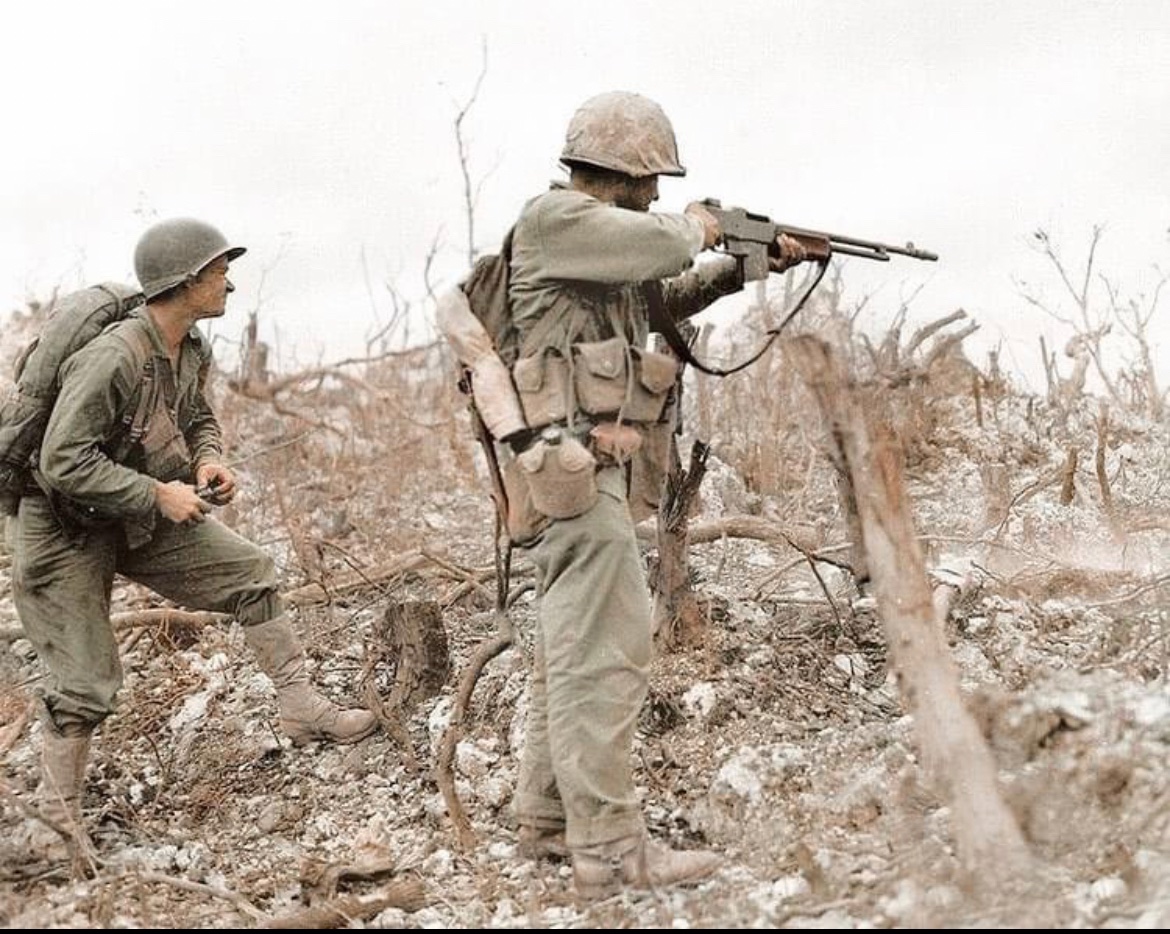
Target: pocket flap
x=604 y=359
x=659 y=371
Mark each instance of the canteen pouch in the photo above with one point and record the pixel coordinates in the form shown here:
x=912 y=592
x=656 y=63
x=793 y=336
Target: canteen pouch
x=561 y=475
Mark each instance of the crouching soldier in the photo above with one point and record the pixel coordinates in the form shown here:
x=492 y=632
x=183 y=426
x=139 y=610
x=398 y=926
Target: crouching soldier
x=129 y=448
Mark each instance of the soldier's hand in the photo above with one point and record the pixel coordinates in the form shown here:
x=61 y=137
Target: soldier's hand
x=179 y=502
x=216 y=483
x=789 y=252
x=711 y=229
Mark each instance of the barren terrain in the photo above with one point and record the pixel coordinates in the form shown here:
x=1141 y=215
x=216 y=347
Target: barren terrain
x=779 y=740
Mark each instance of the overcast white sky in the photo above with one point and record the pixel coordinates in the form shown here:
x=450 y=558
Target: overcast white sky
x=321 y=137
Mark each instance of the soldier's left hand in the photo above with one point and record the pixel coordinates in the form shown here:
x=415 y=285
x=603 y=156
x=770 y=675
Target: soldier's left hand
x=790 y=253
x=217 y=479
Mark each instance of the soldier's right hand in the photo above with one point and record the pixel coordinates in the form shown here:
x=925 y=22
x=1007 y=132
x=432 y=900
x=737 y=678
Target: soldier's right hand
x=179 y=502
x=712 y=232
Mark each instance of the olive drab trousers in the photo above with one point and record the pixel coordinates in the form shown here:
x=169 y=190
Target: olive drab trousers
x=62 y=593
x=593 y=649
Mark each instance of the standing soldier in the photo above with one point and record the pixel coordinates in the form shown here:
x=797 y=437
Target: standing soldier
x=591 y=268
x=129 y=448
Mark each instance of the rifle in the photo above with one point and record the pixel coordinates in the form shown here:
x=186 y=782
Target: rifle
x=753 y=236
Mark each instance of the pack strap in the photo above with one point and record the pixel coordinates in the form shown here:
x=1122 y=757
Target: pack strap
x=123 y=305
x=136 y=418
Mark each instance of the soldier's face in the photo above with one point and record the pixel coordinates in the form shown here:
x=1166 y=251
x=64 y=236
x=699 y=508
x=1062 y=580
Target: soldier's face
x=209 y=290
x=638 y=194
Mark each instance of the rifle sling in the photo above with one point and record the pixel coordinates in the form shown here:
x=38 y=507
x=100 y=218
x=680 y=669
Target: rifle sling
x=662 y=322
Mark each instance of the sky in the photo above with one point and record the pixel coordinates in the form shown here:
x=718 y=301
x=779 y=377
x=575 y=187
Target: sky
x=322 y=137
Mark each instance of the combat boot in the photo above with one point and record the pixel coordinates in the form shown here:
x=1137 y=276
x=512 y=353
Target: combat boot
x=635 y=862
x=535 y=842
x=64 y=756
x=305 y=715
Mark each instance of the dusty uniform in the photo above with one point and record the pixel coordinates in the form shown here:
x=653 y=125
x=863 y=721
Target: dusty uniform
x=579 y=271
x=124 y=418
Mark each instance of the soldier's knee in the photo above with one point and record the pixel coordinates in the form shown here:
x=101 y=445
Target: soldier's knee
x=75 y=713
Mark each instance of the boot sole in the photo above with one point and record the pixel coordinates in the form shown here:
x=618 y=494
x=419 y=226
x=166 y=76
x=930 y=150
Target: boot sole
x=301 y=738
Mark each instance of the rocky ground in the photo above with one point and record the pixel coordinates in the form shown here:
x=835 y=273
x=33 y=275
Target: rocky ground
x=780 y=741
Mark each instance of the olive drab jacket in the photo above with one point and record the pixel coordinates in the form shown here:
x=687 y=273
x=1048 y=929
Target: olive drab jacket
x=587 y=280
x=126 y=417
x=571 y=251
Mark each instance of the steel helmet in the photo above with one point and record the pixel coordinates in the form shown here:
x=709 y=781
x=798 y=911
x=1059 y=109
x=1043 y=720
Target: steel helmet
x=173 y=251
x=623 y=132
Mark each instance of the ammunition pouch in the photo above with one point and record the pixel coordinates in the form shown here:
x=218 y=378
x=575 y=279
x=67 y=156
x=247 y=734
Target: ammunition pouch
x=612 y=378
x=542 y=382
x=624 y=397
x=606 y=378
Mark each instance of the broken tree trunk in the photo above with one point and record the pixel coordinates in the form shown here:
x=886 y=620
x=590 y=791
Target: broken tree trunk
x=955 y=755
x=416 y=644
x=416 y=638
x=679 y=620
x=1068 y=482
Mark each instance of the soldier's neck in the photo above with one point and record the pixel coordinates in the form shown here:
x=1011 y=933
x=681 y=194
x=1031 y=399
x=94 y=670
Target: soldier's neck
x=173 y=322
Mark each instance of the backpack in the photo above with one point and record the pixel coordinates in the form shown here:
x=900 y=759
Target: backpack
x=75 y=320
x=486 y=288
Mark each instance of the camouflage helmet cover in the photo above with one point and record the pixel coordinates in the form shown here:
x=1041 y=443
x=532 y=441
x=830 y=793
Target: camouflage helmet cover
x=623 y=132
x=173 y=251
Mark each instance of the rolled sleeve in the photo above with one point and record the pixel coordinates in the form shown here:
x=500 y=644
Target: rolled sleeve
x=688 y=294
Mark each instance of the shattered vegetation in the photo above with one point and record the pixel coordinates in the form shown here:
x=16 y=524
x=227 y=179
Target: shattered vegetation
x=779 y=739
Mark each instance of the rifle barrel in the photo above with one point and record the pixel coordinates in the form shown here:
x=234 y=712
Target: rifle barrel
x=853 y=246
x=880 y=256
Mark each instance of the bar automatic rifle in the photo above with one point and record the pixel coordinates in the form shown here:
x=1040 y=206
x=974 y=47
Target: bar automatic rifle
x=751 y=239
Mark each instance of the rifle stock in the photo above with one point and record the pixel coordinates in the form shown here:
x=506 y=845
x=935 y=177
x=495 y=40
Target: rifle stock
x=752 y=237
